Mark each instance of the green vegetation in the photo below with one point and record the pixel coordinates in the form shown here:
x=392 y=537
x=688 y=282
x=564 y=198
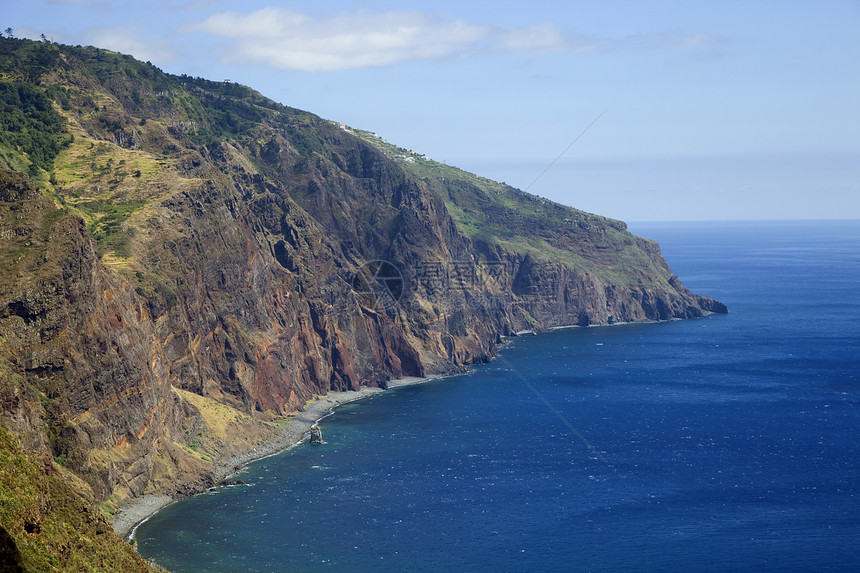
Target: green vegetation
x=54 y=527
x=108 y=510
x=27 y=60
x=106 y=224
x=30 y=125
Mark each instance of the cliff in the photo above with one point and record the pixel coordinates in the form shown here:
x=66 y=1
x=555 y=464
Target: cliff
x=186 y=262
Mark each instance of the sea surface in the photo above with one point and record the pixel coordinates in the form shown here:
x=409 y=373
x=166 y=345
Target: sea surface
x=721 y=444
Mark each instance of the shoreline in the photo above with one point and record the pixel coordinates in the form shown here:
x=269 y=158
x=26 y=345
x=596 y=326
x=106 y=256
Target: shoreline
x=139 y=510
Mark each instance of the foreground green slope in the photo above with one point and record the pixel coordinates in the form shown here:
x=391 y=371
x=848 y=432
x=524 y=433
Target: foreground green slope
x=45 y=525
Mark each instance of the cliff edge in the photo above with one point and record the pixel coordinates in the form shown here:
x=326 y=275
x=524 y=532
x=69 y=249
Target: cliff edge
x=186 y=263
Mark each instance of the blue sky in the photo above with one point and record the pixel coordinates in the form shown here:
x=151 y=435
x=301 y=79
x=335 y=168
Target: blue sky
x=706 y=110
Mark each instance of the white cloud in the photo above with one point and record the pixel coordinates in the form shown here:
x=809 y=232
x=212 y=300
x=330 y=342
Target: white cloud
x=128 y=40
x=541 y=38
x=291 y=40
x=695 y=41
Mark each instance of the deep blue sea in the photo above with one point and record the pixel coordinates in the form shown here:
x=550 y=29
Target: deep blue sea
x=722 y=444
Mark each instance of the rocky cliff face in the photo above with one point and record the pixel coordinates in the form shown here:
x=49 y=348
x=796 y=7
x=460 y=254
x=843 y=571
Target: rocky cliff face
x=195 y=261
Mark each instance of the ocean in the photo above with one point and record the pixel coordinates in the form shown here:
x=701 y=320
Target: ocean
x=722 y=444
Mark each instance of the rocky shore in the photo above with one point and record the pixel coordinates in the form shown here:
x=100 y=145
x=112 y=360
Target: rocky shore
x=139 y=509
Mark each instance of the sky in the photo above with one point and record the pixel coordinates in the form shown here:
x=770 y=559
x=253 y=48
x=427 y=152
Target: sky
x=636 y=110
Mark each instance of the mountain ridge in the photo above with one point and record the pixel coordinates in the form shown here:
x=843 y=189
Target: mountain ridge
x=176 y=247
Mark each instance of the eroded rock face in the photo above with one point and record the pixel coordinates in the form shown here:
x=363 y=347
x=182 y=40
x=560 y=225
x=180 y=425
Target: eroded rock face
x=265 y=317
x=81 y=378
x=233 y=299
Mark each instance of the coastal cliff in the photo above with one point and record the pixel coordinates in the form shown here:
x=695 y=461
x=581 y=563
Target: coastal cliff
x=185 y=263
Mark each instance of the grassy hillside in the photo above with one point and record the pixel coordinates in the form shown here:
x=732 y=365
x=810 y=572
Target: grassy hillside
x=108 y=136
x=53 y=526
x=497 y=214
